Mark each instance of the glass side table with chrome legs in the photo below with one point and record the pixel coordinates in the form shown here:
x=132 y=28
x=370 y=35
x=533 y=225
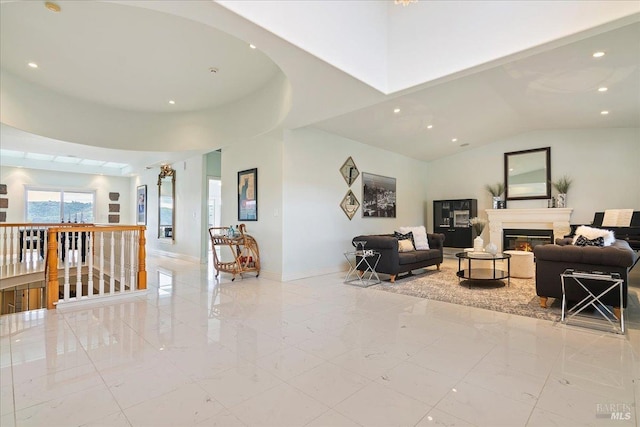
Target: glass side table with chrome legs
x=362 y=268
x=609 y=283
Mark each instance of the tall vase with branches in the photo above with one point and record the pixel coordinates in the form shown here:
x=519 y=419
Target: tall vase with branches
x=478 y=225
x=562 y=186
x=496 y=190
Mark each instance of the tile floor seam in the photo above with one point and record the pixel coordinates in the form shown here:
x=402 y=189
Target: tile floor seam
x=369 y=381
x=401 y=392
x=64 y=317
x=533 y=336
x=346 y=416
x=13 y=384
x=571 y=417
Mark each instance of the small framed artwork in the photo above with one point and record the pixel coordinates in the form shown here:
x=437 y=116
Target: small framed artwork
x=248 y=195
x=350 y=204
x=378 y=196
x=349 y=171
x=141 y=209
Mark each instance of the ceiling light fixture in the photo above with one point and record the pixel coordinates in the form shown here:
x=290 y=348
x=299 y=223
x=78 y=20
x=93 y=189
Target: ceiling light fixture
x=52 y=6
x=252 y=46
x=604 y=113
x=430 y=127
x=598 y=54
x=172 y=102
x=454 y=139
x=405 y=2
x=33 y=65
x=396 y=110
x=602 y=89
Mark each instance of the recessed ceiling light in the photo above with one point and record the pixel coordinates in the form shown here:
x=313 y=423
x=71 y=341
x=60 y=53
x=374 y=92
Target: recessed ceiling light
x=172 y=102
x=33 y=65
x=603 y=89
x=454 y=139
x=252 y=46
x=598 y=54
x=52 y=6
x=396 y=110
x=430 y=127
x=604 y=113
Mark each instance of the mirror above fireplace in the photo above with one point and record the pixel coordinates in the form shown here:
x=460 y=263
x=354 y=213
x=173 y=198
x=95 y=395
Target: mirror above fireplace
x=527 y=174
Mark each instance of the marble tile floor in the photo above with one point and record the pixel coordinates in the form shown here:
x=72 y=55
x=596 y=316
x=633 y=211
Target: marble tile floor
x=310 y=352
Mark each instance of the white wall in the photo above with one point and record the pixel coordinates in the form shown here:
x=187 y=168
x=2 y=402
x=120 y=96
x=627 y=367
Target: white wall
x=189 y=232
x=603 y=164
x=17 y=179
x=316 y=230
x=353 y=36
x=37 y=110
x=214 y=164
x=432 y=39
x=391 y=47
x=264 y=153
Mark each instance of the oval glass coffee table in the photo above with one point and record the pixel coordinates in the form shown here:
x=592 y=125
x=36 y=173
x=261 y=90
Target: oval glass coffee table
x=474 y=271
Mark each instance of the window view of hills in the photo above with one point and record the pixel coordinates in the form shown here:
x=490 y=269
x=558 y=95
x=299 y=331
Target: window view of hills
x=49 y=212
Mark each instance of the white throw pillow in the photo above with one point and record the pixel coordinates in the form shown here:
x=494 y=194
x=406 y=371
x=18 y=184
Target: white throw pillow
x=419 y=236
x=593 y=233
x=405 y=246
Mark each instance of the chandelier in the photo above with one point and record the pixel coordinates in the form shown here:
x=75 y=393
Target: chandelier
x=405 y=2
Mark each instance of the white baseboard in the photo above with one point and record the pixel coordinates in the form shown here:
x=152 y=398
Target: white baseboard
x=183 y=257
x=85 y=302
x=312 y=273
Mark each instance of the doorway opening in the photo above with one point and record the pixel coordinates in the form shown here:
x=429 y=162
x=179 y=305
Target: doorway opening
x=214 y=211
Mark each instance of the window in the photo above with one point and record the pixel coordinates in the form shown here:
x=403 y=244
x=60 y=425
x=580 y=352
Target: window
x=52 y=206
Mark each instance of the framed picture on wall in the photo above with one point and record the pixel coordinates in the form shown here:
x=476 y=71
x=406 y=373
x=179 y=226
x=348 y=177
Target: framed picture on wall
x=248 y=195
x=378 y=196
x=141 y=205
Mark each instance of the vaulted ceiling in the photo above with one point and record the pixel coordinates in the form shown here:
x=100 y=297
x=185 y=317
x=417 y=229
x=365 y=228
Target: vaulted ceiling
x=107 y=72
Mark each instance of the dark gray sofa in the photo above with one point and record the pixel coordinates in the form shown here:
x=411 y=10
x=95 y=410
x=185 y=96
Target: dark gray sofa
x=393 y=262
x=553 y=260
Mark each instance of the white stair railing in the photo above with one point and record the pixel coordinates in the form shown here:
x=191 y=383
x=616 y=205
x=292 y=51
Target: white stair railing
x=117 y=256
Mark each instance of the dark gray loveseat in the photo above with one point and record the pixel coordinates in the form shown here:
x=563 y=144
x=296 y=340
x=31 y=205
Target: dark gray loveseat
x=393 y=262
x=553 y=260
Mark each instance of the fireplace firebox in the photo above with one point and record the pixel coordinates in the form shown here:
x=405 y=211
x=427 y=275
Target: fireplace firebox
x=525 y=240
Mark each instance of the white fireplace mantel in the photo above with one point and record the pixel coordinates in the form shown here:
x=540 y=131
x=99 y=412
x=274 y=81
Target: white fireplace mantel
x=556 y=219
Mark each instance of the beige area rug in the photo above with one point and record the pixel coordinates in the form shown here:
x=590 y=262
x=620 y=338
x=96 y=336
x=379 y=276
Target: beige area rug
x=519 y=298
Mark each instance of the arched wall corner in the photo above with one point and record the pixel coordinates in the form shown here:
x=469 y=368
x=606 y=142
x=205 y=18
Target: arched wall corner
x=43 y=112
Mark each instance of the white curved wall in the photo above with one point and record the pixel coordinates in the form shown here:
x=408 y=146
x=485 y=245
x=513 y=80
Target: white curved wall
x=43 y=112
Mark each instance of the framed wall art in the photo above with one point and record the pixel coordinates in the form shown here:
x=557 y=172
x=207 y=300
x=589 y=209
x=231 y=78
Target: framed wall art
x=141 y=205
x=248 y=195
x=349 y=171
x=349 y=204
x=378 y=196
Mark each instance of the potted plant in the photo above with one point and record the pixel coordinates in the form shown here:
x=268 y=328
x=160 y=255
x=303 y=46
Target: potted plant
x=496 y=191
x=478 y=225
x=562 y=186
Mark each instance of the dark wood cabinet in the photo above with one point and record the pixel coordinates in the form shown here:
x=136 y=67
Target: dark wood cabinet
x=451 y=218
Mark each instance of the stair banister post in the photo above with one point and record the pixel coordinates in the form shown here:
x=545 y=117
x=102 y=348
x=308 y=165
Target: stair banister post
x=52 y=269
x=142 y=254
